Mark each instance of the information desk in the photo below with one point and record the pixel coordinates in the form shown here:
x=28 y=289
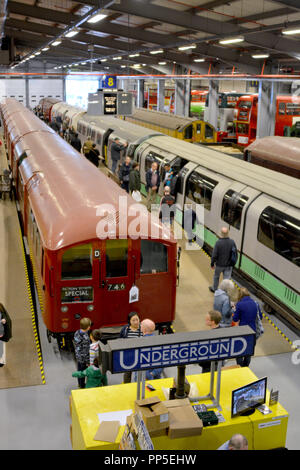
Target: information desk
x=262 y=431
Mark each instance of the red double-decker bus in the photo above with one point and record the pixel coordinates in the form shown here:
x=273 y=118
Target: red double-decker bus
x=286 y=118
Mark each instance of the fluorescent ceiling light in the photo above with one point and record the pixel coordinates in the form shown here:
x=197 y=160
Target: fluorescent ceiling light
x=72 y=33
x=162 y=63
x=231 y=40
x=46 y=48
x=199 y=60
x=56 y=43
x=31 y=56
x=103 y=60
x=117 y=58
x=97 y=18
x=260 y=56
x=159 y=51
x=185 y=48
x=137 y=65
x=134 y=55
x=291 y=31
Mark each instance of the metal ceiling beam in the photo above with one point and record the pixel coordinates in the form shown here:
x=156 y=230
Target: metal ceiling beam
x=290 y=3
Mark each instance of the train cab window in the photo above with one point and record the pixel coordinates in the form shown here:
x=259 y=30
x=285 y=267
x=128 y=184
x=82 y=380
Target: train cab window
x=116 y=258
x=152 y=157
x=77 y=262
x=281 y=108
x=154 y=257
x=188 y=132
x=209 y=132
x=232 y=208
x=200 y=188
x=242 y=128
x=280 y=233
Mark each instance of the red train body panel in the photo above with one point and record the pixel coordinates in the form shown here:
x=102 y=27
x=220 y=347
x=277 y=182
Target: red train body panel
x=78 y=274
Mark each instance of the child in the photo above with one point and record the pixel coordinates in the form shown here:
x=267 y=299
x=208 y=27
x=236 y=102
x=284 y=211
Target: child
x=82 y=348
x=93 y=374
x=94 y=347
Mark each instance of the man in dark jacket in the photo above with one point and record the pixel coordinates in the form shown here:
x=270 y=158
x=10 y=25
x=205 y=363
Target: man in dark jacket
x=93 y=155
x=5 y=332
x=152 y=184
x=116 y=149
x=221 y=258
x=124 y=174
x=135 y=178
x=75 y=142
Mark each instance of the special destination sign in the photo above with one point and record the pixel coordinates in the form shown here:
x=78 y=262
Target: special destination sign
x=177 y=349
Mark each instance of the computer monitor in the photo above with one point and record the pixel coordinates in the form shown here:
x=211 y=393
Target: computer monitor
x=245 y=399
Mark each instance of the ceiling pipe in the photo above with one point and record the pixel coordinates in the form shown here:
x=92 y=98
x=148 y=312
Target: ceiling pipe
x=3 y=14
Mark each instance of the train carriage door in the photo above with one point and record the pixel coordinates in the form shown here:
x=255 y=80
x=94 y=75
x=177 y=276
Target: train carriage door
x=117 y=268
x=233 y=204
x=105 y=144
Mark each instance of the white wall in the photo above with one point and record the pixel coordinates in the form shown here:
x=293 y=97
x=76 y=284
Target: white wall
x=13 y=88
x=37 y=89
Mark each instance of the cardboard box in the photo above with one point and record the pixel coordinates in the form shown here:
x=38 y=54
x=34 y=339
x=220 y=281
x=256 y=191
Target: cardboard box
x=155 y=414
x=183 y=421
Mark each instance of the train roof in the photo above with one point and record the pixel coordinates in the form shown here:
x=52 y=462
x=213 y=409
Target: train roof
x=66 y=191
x=273 y=183
x=124 y=129
x=171 y=121
x=283 y=150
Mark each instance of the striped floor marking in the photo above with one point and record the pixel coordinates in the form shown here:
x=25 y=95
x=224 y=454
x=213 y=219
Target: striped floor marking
x=35 y=331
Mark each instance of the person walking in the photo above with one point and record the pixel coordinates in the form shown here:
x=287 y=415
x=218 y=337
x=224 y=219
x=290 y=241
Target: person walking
x=116 y=149
x=167 y=209
x=222 y=302
x=212 y=320
x=82 y=348
x=152 y=184
x=222 y=260
x=125 y=173
x=135 y=178
x=246 y=311
x=131 y=330
x=76 y=142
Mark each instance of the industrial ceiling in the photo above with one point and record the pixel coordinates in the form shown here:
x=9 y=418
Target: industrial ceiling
x=147 y=36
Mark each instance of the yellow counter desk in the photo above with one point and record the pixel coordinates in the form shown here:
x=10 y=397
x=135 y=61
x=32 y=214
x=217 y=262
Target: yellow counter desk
x=262 y=431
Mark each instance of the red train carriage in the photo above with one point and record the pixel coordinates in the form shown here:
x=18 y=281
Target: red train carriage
x=46 y=107
x=78 y=274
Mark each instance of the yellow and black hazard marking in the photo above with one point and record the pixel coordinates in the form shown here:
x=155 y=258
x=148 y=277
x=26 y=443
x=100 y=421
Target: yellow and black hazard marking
x=35 y=330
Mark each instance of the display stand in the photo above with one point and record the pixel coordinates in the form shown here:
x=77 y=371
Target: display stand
x=210 y=396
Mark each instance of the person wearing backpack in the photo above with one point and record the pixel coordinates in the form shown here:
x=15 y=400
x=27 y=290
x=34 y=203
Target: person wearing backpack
x=246 y=313
x=223 y=258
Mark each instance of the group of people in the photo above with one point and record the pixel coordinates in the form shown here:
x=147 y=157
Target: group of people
x=230 y=307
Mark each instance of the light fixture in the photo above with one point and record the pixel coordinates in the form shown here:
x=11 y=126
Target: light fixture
x=260 y=56
x=46 y=48
x=56 y=43
x=117 y=58
x=71 y=33
x=231 y=40
x=199 y=60
x=96 y=18
x=291 y=31
x=134 y=55
x=136 y=66
x=158 y=51
x=162 y=63
x=103 y=60
x=123 y=66
x=185 y=48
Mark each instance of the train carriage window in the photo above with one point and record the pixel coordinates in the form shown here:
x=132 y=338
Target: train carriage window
x=293 y=109
x=93 y=134
x=98 y=136
x=89 y=131
x=116 y=258
x=280 y=233
x=77 y=262
x=209 y=132
x=188 y=132
x=152 y=157
x=199 y=189
x=83 y=129
x=281 y=108
x=242 y=128
x=232 y=208
x=154 y=257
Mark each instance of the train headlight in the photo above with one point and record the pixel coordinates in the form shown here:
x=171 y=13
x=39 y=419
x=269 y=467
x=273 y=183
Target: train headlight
x=64 y=308
x=90 y=308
